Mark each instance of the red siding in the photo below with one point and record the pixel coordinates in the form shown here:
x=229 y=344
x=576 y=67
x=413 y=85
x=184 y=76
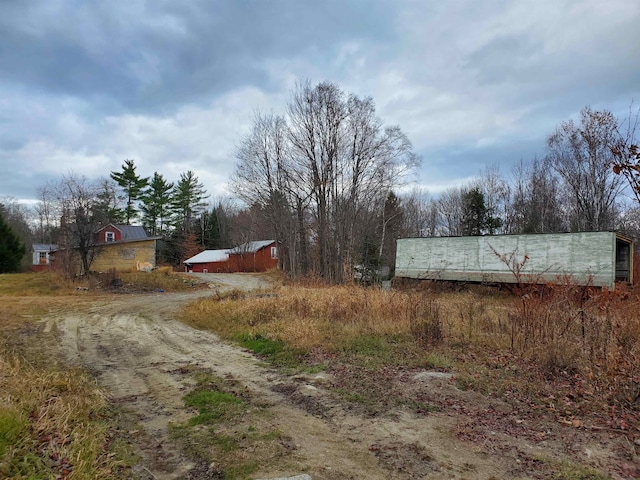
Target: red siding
x=41 y=268
x=211 y=267
x=101 y=235
x=260 y=261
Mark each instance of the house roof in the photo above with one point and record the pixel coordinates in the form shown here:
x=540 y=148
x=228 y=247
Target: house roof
x=209 y=256
x=130 y=232
x=44 y=247
x=251 y=247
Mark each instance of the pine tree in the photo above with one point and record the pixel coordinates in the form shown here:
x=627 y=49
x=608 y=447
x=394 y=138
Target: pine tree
x=11 y=248
x=133 y=185
x=187 y=200
x=477 y=219
x=156 y=205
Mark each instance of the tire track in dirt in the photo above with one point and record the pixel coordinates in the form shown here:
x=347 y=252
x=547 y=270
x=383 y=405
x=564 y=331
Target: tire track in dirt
x=139 y=353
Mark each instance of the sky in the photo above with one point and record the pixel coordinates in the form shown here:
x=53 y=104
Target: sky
x=174 y=85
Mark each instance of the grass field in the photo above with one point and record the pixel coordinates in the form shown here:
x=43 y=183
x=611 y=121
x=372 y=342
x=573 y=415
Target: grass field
x=531 y=342
x=568 y=355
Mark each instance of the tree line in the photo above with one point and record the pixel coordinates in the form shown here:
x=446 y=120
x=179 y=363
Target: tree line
x=330 y=184
x=329 y=181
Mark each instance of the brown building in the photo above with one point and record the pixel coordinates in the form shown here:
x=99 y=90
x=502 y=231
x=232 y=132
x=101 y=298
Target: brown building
x=123 y=248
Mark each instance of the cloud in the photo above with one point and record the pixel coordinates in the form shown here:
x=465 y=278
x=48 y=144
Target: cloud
x=174 y=85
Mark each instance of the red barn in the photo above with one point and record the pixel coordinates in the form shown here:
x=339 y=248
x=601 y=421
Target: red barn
x=209 y=261
x=257 y=256
x=249 y=257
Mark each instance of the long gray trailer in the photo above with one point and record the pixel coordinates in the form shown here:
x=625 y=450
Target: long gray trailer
x=586 y=258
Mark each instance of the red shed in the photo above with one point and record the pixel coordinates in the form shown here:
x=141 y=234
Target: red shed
x=249 y=257
x=209 y=261
x=257 y=256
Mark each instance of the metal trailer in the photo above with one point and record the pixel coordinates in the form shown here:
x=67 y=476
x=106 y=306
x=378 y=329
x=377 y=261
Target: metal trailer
x=586 y=258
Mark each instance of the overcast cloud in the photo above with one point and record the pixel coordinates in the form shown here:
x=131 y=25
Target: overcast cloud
x=174 y=85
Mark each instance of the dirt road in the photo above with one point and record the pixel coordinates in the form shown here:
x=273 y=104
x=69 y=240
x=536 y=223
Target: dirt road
x=136 y=349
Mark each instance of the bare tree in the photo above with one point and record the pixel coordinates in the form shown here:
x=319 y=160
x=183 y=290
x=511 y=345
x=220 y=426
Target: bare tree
x=348 y=161
x=451 y=211
x=497 y=198
x=536 y=205
x=265 y=175
x=44 y=211
x=75 y=199
x=321 y=171
x=582 y=157
x=420 y=214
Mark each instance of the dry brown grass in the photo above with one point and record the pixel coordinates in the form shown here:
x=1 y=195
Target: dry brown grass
x=587 y=333
x=51 y=424
x=333 y=317
x=52 y=419
x=35 y=284
x=582 y=331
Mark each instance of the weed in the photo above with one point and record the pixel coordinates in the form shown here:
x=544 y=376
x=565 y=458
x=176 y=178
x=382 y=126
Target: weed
x=276 y=351
x=434 y=360
x=228 y=429
x=211 y=405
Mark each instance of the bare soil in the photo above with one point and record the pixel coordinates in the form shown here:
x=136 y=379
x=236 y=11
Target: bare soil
x=143 y=357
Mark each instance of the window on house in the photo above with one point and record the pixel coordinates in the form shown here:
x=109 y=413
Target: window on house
x=274 y=252
x=109 y=236
x=42 y=257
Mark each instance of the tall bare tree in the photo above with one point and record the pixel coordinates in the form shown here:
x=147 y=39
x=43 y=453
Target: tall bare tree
x=626 y=153
x=75 y=199
x=536 y=205
x=581 y=154
x=451 y=211
x=348 y=161
x=420 y=214
x=265 y=175
x=44 y=211
x=321 y=171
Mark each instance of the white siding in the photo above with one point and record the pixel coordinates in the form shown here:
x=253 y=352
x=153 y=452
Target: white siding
x=588 y=258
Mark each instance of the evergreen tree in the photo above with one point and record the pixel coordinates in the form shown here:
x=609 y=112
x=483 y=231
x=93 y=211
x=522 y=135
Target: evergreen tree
x=105 y=208
x=11 y=248
x=477 y=219
x=156 y=205
x=187 y=200
x=208 y=230
x=133 y=185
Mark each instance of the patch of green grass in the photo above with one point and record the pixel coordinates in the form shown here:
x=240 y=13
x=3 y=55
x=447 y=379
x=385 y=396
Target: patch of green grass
x=240 y=470
x=229 y=428
x=13 y=426
x=375 y=351
x=434 y=360
x=211 y=405
x=369 y=351
x=353 y=397
x=571 y=471
x=225 y=443
x=421 y=407
x=275 y=351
